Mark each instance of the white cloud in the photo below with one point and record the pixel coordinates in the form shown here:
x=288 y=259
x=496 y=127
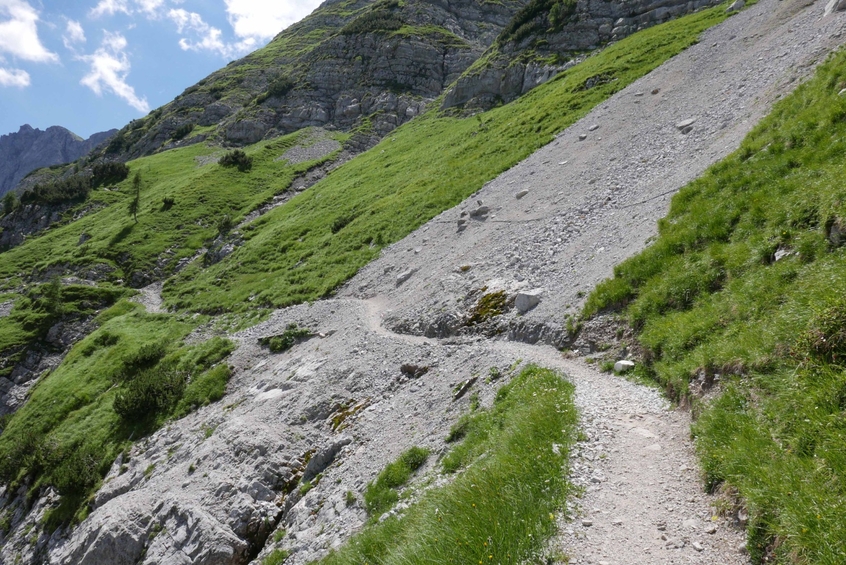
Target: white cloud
x=109 y=68
x=150 y=7
x=208 y=38
x=110 y=8
x=263 y=19
x=14 y=77
x=73 y=34
x=19 y=34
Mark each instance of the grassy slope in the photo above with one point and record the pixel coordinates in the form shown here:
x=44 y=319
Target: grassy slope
x=202 y=194
x=709 y=299
x=423 y=168
x=500 y=508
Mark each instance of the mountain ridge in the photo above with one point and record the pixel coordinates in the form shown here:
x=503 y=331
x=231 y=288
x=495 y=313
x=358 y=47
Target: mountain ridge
x=29 y=149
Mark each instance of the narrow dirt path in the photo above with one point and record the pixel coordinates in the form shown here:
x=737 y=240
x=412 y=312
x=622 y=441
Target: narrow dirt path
x=640 y=498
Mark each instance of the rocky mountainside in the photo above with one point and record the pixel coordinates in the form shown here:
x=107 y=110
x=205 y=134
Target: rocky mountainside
x=30 y=149
x=311 y=308
x=370 y=66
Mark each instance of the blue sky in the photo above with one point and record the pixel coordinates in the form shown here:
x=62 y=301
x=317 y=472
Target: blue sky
x=93 y=65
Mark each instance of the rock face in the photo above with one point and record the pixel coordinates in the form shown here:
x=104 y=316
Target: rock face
x=520 y=58
x=30 y=149
x=368 y=65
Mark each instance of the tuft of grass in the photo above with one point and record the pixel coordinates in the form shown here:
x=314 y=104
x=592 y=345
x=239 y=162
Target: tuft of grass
x=501 y=509
x=276 y=557
x=286 y=340
x=714 y=302
x=382 y=493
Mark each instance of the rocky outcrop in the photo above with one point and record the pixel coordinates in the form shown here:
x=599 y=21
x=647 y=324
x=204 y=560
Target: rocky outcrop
x=519 y=61
x=30 y=149
x=362 y=65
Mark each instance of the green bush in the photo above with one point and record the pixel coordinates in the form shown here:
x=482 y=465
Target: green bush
x=76 y=471
x=10 y=203
x=108 y=174
x=280 y=86
x=286 y=340
x=237 y=158
x=380 y=19
x=70 y=189
x=142 y=358
x=380 y=495
x=182 y=131
x=150 y=392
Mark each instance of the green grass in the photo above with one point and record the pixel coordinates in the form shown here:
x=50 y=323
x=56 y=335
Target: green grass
x=40 y=308
x=202 y=196
x=710 y=301
x=69 y=432
x=382 y=493
x=276 y=557
x=293 y=254
x=501 y=508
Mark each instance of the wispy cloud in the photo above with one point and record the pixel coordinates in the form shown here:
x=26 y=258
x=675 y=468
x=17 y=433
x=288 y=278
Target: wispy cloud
x=14 y=77
x=73 y=34
x=109 y=69
x=263 y=20
x=19 y=32
x=207 y=37
x=109 y=8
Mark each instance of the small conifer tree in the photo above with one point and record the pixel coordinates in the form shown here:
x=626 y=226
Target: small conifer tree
x=135 y=203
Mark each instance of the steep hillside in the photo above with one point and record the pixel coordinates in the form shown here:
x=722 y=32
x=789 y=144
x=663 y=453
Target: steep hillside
x=30 y=149
x=197 y=422
x=739 y=308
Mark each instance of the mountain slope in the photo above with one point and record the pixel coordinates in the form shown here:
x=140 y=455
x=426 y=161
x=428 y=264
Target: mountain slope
x=207 y=486
x=216 y=482
x=30 y=149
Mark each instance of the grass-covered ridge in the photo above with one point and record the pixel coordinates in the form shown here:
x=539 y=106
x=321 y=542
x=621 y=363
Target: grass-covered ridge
x=118 y=384
x=185 y=196
x=305 y=249
x=744 y=287
x=500 y=508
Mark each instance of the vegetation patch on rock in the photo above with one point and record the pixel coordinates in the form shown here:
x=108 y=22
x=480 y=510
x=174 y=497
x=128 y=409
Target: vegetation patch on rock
x=502 y=507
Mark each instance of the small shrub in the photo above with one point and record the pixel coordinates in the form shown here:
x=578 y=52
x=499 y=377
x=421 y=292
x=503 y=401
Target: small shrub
x=73 y=188
x=182 y=131
x=380 y=19
x=108 y=173
x=150 y=393
x=10 y=203
x=167 y=203
x=276 y=557
x=280 y=86
x=237 y=158
x=349 y=498
x=286 y=340
x=142 y=358
x=77 y=471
